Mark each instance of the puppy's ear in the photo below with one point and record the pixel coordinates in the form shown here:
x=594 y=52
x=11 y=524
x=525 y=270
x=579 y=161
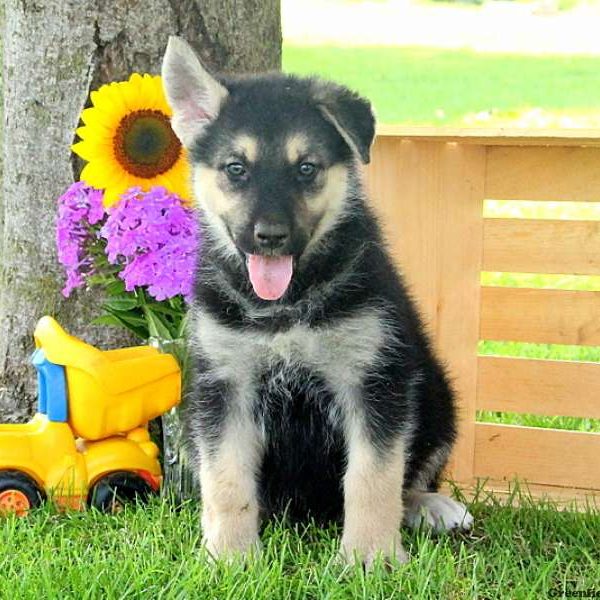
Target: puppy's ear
x=350 y=114
x=194 y=95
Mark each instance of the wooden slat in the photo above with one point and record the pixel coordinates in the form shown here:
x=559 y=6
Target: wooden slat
x=542 y=316
x=493 y=136
x=513 y=492
x=541 y=246
x=430 y=199
x=543 y=173
x=541 y=456
x=541 y=387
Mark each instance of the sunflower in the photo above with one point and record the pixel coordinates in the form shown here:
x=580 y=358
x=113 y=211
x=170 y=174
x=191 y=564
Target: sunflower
x=128 y=141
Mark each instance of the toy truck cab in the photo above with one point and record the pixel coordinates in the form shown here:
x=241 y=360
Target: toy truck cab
x=88 y=443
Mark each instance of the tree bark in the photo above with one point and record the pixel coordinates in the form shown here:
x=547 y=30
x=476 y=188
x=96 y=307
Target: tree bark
x=1 y=128
x=55 y=52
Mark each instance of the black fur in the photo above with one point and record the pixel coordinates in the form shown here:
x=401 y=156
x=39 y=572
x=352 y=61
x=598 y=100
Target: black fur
x=406 y=394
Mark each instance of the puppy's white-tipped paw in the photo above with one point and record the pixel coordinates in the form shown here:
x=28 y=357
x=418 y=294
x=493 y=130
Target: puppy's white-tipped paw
x=437 y=511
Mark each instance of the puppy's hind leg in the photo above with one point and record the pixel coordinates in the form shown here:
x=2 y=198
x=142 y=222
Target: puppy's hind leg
x=435 y=510
x=431 y=508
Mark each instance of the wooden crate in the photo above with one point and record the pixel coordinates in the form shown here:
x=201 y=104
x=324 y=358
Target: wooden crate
x=429 y=186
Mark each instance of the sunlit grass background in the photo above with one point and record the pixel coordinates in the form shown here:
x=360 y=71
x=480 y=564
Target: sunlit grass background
x=423 y=86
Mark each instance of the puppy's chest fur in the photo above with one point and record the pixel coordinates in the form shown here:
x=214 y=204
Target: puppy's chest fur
x=301 y=389
x=251 y=360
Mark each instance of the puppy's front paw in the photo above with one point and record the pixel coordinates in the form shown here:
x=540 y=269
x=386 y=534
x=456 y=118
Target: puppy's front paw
x=229 y=546
x=226 y=537
x=362 y=549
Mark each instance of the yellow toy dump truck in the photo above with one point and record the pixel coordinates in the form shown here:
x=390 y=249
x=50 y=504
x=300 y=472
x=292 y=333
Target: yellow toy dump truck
x=88 y=444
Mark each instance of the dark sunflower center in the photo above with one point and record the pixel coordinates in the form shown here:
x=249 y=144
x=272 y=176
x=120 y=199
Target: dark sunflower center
x=145 y=144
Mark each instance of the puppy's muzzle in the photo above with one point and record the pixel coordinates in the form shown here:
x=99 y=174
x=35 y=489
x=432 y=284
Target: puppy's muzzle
x=271 y=237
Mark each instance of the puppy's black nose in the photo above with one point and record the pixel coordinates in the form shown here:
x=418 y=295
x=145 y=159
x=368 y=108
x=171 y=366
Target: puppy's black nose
x=271 y=236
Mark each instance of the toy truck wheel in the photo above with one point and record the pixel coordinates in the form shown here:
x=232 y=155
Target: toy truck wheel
x=18 y=493
x=111 y=492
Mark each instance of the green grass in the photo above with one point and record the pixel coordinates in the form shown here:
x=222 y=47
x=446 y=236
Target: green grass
x=431 y=86
x=155 y=553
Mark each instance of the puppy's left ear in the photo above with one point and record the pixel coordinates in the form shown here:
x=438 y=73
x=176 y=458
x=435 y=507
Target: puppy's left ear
x=350 y=114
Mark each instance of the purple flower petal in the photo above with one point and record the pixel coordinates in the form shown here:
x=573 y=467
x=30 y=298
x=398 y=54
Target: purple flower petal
x=79 y=209
x=156 y=237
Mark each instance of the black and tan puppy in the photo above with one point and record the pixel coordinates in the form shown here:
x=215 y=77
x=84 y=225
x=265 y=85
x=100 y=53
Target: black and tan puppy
x=315 y=390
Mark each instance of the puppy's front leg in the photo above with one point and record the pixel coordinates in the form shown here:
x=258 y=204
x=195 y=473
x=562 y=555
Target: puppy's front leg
x=373 y=501
x=228 y=472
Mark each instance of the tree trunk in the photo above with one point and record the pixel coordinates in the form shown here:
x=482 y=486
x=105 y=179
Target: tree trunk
x=55 y=52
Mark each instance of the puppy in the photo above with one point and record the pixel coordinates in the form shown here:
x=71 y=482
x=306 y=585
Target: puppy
x=315 y=391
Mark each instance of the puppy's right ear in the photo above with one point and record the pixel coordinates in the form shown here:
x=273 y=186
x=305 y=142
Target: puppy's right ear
x=194 y=95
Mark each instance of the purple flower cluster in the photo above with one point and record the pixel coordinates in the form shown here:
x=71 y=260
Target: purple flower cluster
x=79 y=209
x=154 y=235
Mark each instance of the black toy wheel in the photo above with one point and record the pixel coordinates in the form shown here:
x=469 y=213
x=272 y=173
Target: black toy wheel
x=113 y=491
x=18 y=493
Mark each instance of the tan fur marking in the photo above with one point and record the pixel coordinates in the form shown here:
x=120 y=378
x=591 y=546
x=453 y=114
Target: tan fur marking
x=295 y=147
x=372 y=502
x=211 y=197
x=217 y=205
x=248 y=146
x=230 y=515
x=325 y=208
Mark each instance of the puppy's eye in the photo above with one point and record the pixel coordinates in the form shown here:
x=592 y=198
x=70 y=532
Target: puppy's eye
x=236 y=170
x=307 y=171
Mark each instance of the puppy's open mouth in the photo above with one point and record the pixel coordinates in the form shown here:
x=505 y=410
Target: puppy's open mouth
x=270 y=276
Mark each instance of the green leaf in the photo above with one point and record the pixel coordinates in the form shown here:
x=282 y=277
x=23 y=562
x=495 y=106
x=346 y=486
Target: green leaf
x=121 y=303
x=134 y=319
x=115 y=288
x=182 y=327
x=162 y=308
x=156 y=326
x=107 y=320
x=121 y=320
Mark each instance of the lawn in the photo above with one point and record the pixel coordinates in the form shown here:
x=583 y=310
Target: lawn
x=441 y=87
x=531 y=552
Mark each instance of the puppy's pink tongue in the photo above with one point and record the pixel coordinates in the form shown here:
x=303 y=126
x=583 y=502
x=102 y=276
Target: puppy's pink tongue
x=270 y=275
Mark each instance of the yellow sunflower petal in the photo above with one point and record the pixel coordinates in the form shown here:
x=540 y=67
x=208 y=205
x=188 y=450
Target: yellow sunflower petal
x=102 y=99
x=149 y=94
x=118 y=99
x=107 y=119
x=93 y=147
x=164 y=181
x=135 y=81
x=132 y=92
x=93 y=174
x=180 y=182
x=112 y=196
x=82 y=131
x=80 y=148
x=96 y=132
x=89 y=115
